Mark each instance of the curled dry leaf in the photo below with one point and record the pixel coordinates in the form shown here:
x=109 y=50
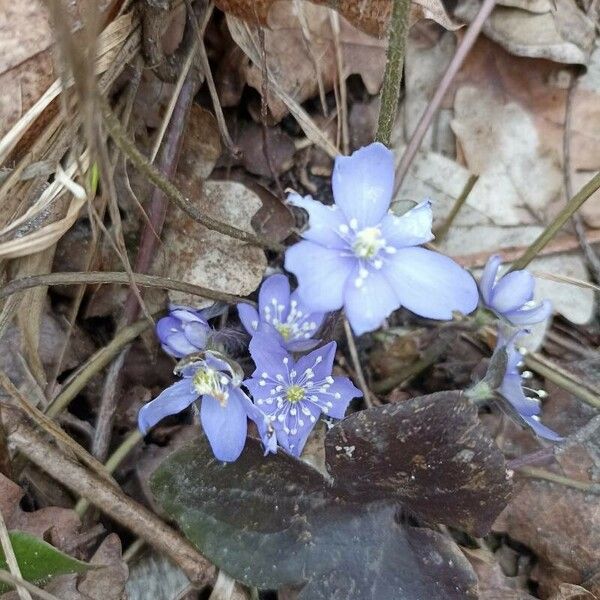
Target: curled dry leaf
x=193 y=253
x=562 y=32
x=289 y=51
x=429 y=453
x=371 y=17
x=561 y=525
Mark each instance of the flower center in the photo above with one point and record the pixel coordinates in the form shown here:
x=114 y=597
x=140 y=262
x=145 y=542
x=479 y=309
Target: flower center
x=211 y=382
x=295 y=393
x=368 y=242
x=285 y=330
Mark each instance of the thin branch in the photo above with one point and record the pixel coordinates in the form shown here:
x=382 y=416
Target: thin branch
x=150 y=281
x=455 y=64
x=390 y=91
x=114 y=503
x=171 y=191
x=563 y=216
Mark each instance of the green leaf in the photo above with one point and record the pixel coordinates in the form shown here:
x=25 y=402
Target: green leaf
x=430 y=453
x=274 y=521
x=38 y=560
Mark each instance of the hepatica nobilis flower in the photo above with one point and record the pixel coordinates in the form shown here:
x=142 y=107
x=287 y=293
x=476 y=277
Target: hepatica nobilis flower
x=293 y=395
x=512 y=388
x=183 y=331
x=511 y=296
x=223 y=405
x=357 y=255
x=282 y=315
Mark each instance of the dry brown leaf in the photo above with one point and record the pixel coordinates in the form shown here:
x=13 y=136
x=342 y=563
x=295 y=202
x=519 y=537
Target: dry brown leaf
x=289 y=60
x=371 y=17
x=563 y=33
x=210 y=259
x=561 y=525
x=26 y=64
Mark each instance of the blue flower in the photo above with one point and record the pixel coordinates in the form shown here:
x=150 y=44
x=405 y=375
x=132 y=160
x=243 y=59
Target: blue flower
x=223 y=409
x=282 y=315
x=357 y=255
x=513 y=391
x=184 y=331
x=511 y=296
x=292 y=395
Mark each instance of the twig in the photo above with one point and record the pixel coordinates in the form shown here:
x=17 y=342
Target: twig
x=390 y=91
x=543 y=456
x=6 y=577
x=442 y=230
x=151 y=281
x=114 y=503
x=533 y=472
x=362 y=382
x=49 y=426
x=5 y=463
x=11 y=559
x=455 y=64
x=171 y=191
x=563 y=216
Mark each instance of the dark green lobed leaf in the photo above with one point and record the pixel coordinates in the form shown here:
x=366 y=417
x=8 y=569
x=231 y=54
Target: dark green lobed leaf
x=273 y=521
x=429 y=453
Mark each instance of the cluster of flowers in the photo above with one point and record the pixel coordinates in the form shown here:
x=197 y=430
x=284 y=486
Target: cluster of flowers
x=356 y=255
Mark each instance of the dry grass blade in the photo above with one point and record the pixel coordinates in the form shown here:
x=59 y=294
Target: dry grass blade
x=6 y=577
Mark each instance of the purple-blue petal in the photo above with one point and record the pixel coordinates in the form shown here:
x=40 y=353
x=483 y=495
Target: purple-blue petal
x=171 y=401
x=529 y=316
x=186 y=314
x=347 y=391
x=512 y=291
x=301 y=345
x=512 y=390
x=226 y=426
x=178 y=345
x=363 y=184
x=319 y=360
x=268 y=356
x=166 y=327
x=274 y=297
x=249 y=317
x=430 y=284
x=321 y=273
x=541 y=430
x=488 y=278
x=294 y=443
x=410 y=229
x=367 y=305
x=196 y=333
x=323 y=221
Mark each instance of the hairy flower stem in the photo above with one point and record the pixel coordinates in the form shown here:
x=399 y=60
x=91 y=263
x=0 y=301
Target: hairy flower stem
x=390 y=91
x=171 y=191
x=563 y=216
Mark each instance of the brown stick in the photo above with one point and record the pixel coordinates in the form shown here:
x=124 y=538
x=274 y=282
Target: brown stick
x=114 y=503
